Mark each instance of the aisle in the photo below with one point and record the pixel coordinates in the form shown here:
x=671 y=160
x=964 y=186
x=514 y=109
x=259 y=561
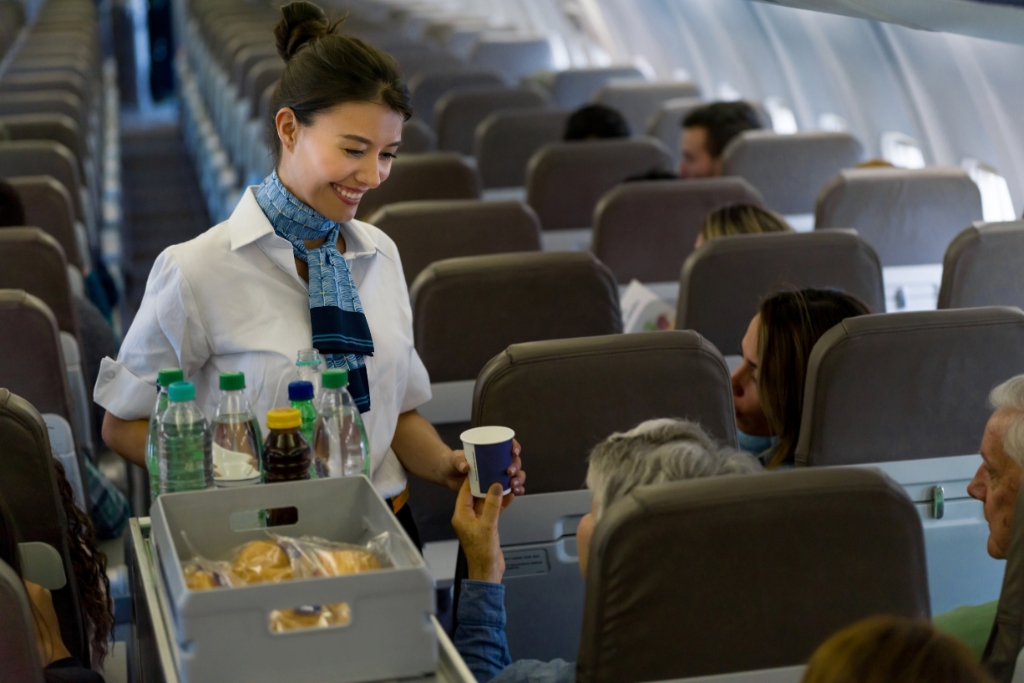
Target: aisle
x=163 y=203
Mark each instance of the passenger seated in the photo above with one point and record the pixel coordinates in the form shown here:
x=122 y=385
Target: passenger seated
x=707 y=131
x=995 y=484
x=655 y=452
x=90 y=571
x=892 y=650
x=595 y=122
x=740 y=219
x=768 y=387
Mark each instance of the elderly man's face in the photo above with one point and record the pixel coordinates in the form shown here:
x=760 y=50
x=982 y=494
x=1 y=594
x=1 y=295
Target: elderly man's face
x=996 y=482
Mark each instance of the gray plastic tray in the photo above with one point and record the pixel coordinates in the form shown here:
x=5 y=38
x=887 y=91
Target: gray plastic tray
x=224 y=634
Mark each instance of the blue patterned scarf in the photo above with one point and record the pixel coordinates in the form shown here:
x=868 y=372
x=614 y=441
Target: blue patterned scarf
x=340 y=331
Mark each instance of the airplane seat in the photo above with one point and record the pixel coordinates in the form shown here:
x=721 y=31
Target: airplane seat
x=417 y=138
x=513 y=57
x=427 y=88
x=909 y=216
x=457 y=114
x=667 y=213
x=981 y=267
x=566 y=180
x=33 y=261
x=437 y=175
x=42 y=157
x=790 y=169
x=28 y=484
x=793 y=557
x=639 y=100
x=434 y=230
x=48 y=205
x=55 y=127
x=18 y=648
x=505 y=141
x=723 y=282
x=573 y=88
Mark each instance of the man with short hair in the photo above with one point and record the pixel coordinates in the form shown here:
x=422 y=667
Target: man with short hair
x=706 y=132
x=995 y=484
x=656 y=452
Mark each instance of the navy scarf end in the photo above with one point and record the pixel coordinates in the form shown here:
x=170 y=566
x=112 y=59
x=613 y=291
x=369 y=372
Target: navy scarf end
x=339 y=331
x=359 y=388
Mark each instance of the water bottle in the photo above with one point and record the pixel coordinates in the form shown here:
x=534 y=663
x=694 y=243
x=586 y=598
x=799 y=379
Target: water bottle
x=236 y=435
x=340 y=446
x=164 y=379
x=309 y=367
x=300 y=394
x=185 y=446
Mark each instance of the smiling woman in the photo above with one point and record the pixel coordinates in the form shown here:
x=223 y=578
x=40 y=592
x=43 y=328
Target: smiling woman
x=291 y=268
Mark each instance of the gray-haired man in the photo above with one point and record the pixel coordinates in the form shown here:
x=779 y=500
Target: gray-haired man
x=657 y=451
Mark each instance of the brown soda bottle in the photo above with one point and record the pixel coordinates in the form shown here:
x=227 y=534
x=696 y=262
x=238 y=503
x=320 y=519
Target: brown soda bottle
x=286 y=457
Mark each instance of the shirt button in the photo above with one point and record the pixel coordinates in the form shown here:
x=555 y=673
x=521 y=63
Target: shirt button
x=109 y=374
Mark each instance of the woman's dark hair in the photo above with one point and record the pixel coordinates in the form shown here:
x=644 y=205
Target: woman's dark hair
x=791 y=324
x=893 y=650
x=324 y=69
x=723 y=121
x=595 y=122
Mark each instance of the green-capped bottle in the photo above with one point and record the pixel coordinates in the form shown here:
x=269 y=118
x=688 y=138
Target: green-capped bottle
x=164 y=379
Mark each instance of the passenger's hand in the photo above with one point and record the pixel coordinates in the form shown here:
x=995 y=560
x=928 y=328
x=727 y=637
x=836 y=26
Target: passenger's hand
x=459 y=468
x=476 y=524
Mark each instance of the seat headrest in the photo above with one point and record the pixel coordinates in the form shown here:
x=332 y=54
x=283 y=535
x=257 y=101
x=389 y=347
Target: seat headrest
x=437 y=175
x=481 y=305
x=557 y=394
x=906 y=386
x=573 y=88
x=48 y=203
x=32 y=361
x=429 y=87
x=909 y=216
x=513 y=57
x=723 y=282
x=458 y=113
x=770 y=549
x=982 y=267
x=506 y=140
x=565 y=180
x=33 y=261
x=668 y=213
x=790 y=169
x=638 y=100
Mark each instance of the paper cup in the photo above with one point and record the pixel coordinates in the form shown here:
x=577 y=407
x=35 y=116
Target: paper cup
x=489 y=454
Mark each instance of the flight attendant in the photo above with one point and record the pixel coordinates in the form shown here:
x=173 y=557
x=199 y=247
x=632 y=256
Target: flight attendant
x=291 y=268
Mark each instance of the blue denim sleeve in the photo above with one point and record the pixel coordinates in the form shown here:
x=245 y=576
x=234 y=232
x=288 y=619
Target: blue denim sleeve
x=480 y=635
x=480 y=639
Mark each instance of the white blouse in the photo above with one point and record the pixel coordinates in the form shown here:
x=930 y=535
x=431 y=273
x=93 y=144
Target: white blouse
x=231 y=300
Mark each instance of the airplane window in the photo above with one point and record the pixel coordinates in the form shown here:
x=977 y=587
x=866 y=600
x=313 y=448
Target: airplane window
x=901 y=150
x=996 y=203
x=727 y=93
x=783 y=119
x=833 y=122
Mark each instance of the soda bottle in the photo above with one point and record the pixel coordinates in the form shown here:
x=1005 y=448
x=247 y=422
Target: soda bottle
x=340 y=446
x=186 y=455
x=300 y=394
x=286 y=453
x=236 y=435
x=309 y=367
x=164 y=379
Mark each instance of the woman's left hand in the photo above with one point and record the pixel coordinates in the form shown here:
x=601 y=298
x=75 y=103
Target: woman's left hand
x=459 y=468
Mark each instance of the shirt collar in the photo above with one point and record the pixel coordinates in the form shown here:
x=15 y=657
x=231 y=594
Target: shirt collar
x=248 y=223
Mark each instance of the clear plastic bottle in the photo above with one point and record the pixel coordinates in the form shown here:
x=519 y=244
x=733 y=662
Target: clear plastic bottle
x=309 y=367
x=236 y=435
x=340 y=446
x=165 y=378
x=185 y=446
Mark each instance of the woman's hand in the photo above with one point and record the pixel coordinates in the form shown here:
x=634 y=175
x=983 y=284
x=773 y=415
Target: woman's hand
x=476 y=524
x=459 y=468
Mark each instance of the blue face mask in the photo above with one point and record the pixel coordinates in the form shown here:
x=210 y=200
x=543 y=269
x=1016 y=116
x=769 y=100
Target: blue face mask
x=755 y=444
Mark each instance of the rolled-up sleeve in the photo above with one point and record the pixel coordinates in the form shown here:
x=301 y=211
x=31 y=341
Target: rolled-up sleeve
x=417 y=387
x=167 y=332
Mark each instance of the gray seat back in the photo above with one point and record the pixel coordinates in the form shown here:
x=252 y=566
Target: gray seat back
x=573 y=88
x=513 y=58
x=428 y=88
x=723 y=282
x=260 y=77
x=28 y=484
x=484 y=304
x=506 y=140
x=33 y=261
x=910 y=216
x=458 y=113
x=981 y=267
x=639 y=100
x=790 y=169
x=66 y=81
x=19 y=652
x=48 y=205
x=906 y=386
x=417 y=138
x=55 y=127
x=565 y=181
x=429 y=231
x=42 y=157
x=438 y=175
x=633 y=217
x=671 y=559
x=47 y=101
x=556 y=395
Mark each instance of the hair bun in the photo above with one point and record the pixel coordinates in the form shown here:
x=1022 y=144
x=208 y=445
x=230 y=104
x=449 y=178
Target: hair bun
x=301 y=23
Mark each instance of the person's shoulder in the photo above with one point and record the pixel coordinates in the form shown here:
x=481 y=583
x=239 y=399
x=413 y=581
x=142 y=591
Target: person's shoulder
x=385 y=245
x=200 y=253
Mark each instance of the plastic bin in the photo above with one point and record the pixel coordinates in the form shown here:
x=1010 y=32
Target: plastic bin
x=224 y=634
